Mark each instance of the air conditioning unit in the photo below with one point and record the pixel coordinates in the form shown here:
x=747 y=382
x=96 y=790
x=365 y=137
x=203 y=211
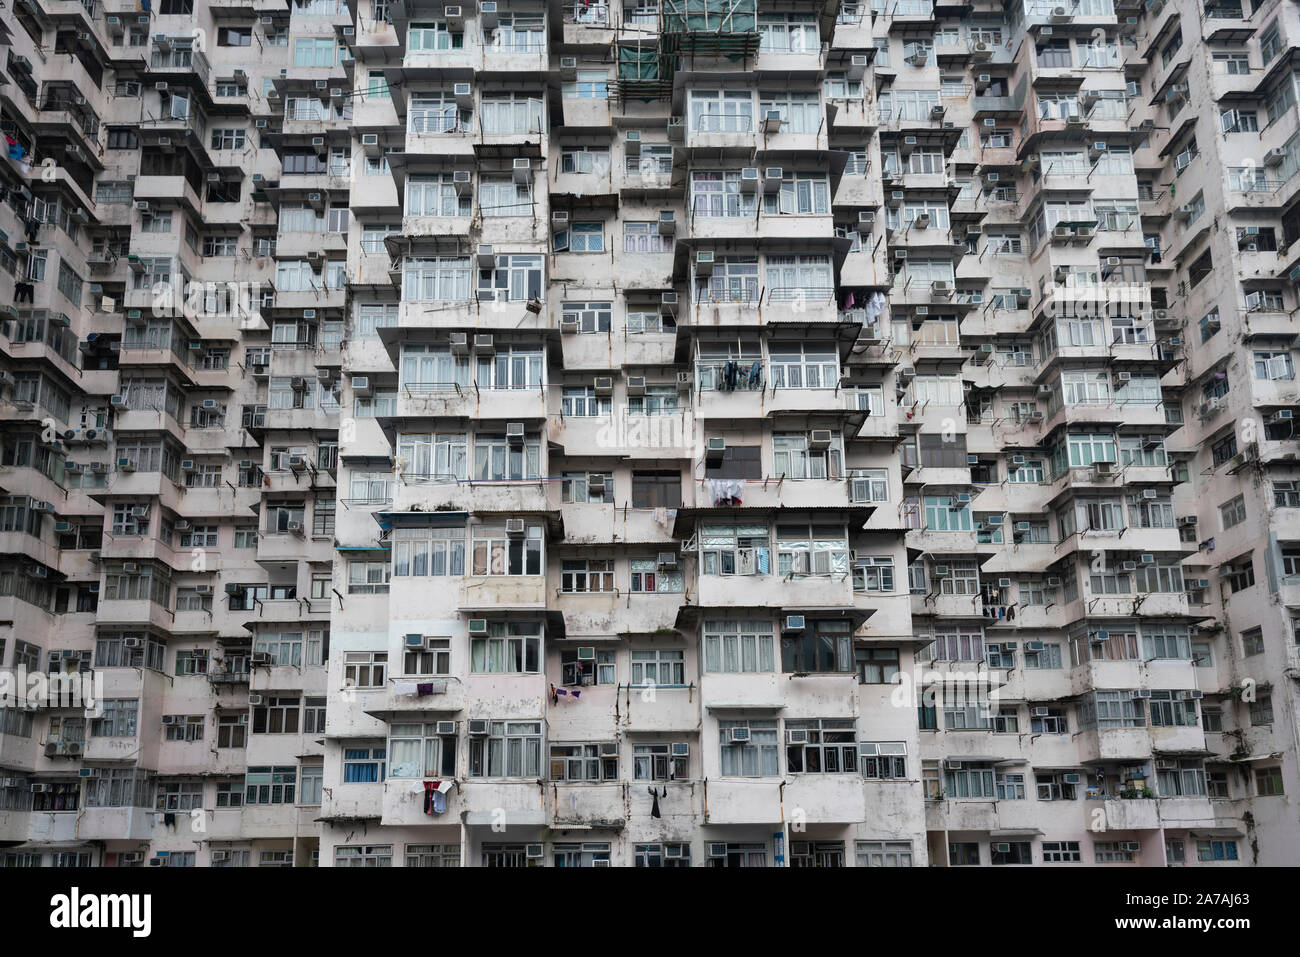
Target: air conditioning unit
x=523 y=171
x=515 y=433
x=714 y=450
x=603 y=385
x=484 y=344
x=737 y=736
x=684 y=381
x=795 y=623
x=477 y=627
x=361 y=385
x=667 y=560
x=796 y=736
x=515 y=527
x=749 y=179
x=477 y=728
x=819 y=439
x=636 y=385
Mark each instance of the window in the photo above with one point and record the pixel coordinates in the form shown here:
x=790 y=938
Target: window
x=739 y=646
x=883 y=760
x=587 y=670
x=433 y=855
x=660 y=762
x=587 y=575
x=364 y=765
x=590 y=317
x=270 y=785
x=662 y=855
x=821 y=746
x=510 y=648
x=118 y=719
x=434 y=37
x=502 y=196
x=438 y=196
x=577 y=487
x=1011 y=852
x=364 y=669
x=884 y=853
x=1261 y=710
x=581 y=238
x=1061 y=852
x=877 y=665
x=584 y=762
x=1268 y=782
x=514 y=279
x=645 y=237
x=277 y=715
x=965 y=854
x=498 y=552
x=585 y=159
x=435 y=551
x=1274 y=365
x=1169 y=709
x=755 y=754
x=511 y=749
x=658 y=666
x=825 y=647
x=371 y=855
x=656 y=490
x=649 y=577
x=1270 y=43
x=657 y=400
x=1112 y=852
x=368 y=578
x=590 y=84
x=1216 y=850
x=788 y=33
x=1240 y=573
x=179 y=727
x=232 y=730
x=1252 y=642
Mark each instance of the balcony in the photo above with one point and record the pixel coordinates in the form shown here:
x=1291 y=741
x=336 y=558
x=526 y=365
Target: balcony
x=729 y=692
x=401 y=699
x=789 y=304
x=497 y=594
x=116 y=824
x=467 y=401
x=826 y=798
x=588 y=805
x=403 y=806
x=741 y=801
x=1123 y=814
x=670 y=709
x=773 y=591
x=427 y=492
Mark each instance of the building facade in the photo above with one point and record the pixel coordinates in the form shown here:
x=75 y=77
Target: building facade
x=675 y=433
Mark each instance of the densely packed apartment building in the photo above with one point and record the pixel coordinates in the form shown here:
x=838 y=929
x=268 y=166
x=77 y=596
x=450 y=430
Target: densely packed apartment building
x=674 y=433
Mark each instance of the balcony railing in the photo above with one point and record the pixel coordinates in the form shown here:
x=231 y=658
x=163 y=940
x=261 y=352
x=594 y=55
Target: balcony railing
x=589 y=14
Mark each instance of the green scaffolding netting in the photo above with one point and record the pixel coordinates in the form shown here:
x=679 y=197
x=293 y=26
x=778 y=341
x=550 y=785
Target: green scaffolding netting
x=710 y=16
x=638 y=63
